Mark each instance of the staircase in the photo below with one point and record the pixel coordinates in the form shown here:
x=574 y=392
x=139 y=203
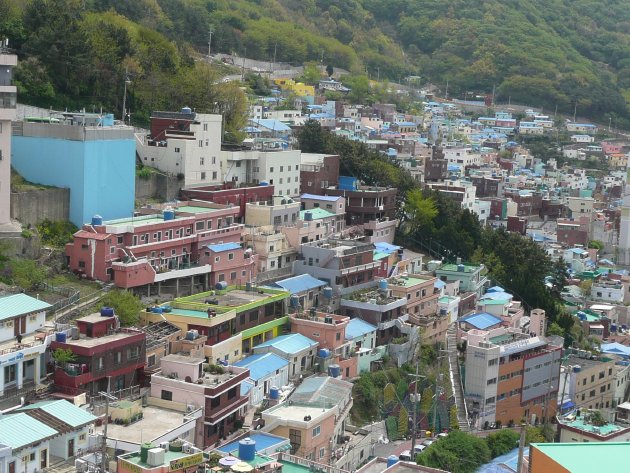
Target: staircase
x=456 y=381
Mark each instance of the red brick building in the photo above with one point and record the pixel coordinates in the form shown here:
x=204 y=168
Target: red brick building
x=229 y=194
x=317 y=172
x=107 y=357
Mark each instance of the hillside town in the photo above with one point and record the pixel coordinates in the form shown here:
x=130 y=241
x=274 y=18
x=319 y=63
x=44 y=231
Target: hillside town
x=274 y=289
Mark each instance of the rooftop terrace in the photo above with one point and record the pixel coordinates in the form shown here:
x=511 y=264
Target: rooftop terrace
x=232 y=298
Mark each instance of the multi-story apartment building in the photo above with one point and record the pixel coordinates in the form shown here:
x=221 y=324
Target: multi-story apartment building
x=277 y=212
x=8 y=100
x=280 y=169
x=234 y=319
x=315 y=418
x=23 y=343
x=471 y=277
x=185 y=144
x=106 y=357
x=318 y=172
x=588 y=383
x=186 y=380
x=228 y=194
x=365 y=203
x=345 y=265
x=93 y=156
x=511 y=376
x=155 y=246
x=330 y=331
x=272 y=248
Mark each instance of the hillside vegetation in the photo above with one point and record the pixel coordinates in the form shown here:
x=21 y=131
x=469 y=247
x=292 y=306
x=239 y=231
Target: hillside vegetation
x=542 y=52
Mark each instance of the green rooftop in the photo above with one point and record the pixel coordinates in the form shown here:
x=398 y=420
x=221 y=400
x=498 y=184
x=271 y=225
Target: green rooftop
x=494 y=302
x=582 y=424
x=379 y=255
x=468 y=268
x=586 y=457
x=193 y=209
x=169 y=456
x=317 y=213
x=409 y=282
x=135 y=221
x=20 y=304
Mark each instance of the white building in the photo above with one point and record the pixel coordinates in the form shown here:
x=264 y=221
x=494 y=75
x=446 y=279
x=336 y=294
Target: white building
x=32 y=436
x=582 y=138
x=23 y=342
x=8 y=94
x=278 y=168
x=266 y=371
x=462 y=156
x=186 y=143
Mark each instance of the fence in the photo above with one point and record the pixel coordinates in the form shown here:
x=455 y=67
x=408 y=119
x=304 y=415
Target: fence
x=72 y=296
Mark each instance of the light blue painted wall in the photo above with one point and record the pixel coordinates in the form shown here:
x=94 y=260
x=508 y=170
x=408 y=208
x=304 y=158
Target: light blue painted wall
x=100 y=174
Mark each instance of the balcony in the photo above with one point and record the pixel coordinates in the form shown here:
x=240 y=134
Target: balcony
x=216 y=415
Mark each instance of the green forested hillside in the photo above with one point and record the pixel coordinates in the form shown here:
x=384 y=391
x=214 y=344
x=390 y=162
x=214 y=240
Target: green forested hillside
x=541 y=52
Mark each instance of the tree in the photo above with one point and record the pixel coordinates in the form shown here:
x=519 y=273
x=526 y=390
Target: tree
x=403 y=422
x=311 y=74
x=126 y=306
x=426 y=400
x=312 y=137
x=585 y=287
x=596 y=244
x=389 y=394
x=459 y=452
x=555 y=329
x=533 y=435
x=452 y=418
x=63 y=356
x=502 y=442
x=26 y=273
x=419 y=211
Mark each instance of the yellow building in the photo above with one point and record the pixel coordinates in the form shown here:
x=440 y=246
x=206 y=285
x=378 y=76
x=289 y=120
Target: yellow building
x=298 y=88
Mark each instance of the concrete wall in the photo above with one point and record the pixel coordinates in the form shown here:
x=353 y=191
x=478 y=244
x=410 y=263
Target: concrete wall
x=158 y=186
x=32 y=207
x=99 y=172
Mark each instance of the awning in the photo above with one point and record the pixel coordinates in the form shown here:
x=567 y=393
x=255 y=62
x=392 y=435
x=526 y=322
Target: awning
x=567 y=405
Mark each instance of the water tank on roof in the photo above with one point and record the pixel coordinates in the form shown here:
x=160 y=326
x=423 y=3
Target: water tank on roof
x=221 y=286
x=308 y=216
x=169 y=214
x=334 y=371
x=97 y=220
x=274 y=393
x=392 y=460
x=328 y=292
x=382 y=284
x=247 y=449
x=294 y=301
x=461 y=268
x=613 y=327
x=144 y=451
x=187 y=110
x=577 y=368
x=60 y=337
x=107 y=312
x=156 y=310
x=323 y=353
x=263 y=183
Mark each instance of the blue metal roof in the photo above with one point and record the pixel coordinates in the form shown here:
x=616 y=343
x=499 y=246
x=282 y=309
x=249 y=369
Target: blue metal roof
x=615 y=348
x=20 y=304
x=383 y=247
x=358 y=328
x=271 y=124
x=439 y=284
x=263 y=441
x=63 y=410
x=262 y=365
x=481 y=321
x=497 y=296
x=218 y=248
x=330 y=198
x=496 y=289
x=20 y=430
x=290 y=344
x=301 y=283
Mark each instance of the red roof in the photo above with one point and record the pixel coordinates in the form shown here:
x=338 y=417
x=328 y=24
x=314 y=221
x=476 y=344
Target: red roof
x=94 y=236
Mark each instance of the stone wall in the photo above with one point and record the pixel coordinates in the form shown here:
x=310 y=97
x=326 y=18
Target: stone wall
x=157 y=187
x=32 y=207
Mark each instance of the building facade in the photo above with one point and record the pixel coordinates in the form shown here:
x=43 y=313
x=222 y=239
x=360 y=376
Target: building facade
x=8 y=100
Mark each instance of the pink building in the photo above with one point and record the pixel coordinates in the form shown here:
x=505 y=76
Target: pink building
x=330 y=331
x=183 y=380
x=161 y=244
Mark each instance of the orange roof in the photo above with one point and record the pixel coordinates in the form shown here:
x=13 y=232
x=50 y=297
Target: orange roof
x=93 y=236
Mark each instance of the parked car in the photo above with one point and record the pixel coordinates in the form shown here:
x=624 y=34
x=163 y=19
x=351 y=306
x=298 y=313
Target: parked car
x=405 y=456
x=419 y=448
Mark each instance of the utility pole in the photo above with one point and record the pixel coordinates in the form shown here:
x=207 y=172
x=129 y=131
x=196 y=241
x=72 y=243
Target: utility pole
x=127 y=81
x=415 y=408
x=209 y=42
x=107 y=397
x=575 y=111
x=521 y=448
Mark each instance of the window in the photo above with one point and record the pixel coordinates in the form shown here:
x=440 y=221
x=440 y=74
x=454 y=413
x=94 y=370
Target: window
x=322 y=453
x=203 y=176
x=118 y=357
x=81 y=264
x=200 y=143
x=316 y=431
x=271 y=169
x=230 y=256
x=100 y=363
x=82 y=438
x=297 y=167
x=217 y=259
x=167 y=395
x=112 y=250
x=133 y=353
x=177 y=150
x=202 y=161
x=233 y=275
x=281 y=168
x=151 y=360
x=232 y=393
